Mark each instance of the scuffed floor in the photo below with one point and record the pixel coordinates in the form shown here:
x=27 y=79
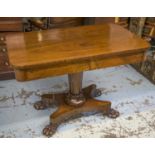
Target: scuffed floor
x=130 y=93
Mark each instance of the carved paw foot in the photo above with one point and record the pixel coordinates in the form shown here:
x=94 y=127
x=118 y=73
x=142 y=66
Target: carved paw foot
x=50 y=129
x=40 y=105
x=113 y=113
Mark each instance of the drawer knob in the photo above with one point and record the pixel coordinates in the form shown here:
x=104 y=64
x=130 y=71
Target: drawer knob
x=2 y=38
x=3 y=49
x=6 y=64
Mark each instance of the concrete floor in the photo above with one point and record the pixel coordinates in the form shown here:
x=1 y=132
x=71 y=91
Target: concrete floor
x=130 y=93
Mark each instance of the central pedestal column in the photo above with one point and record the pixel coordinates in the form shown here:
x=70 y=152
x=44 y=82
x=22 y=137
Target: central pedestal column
x=74 y=103
x=75 y=95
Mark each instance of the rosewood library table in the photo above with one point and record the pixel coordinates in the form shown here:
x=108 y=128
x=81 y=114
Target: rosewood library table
x=35 y=55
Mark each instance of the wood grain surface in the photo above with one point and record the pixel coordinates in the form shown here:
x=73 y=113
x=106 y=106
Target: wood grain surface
x=36 y=55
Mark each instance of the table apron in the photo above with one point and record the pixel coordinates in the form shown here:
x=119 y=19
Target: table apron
x=85 y=65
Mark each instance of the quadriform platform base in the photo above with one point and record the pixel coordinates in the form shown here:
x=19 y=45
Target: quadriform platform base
x=73 y=104
x=72 y=51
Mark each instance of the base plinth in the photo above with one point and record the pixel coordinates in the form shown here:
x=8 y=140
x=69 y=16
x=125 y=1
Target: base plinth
x=67 y=111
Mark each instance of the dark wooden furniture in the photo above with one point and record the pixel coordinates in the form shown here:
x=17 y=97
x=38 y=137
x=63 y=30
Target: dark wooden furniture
x=145 y=28
x=55 y=22
x=72 y=51
x=60 y=22
x=7 y=25
x=123 y=21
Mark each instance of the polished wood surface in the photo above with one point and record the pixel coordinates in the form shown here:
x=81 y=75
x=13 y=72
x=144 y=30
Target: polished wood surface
x=46 y=53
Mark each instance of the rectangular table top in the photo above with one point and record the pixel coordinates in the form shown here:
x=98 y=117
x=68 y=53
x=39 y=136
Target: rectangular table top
x=60 y=47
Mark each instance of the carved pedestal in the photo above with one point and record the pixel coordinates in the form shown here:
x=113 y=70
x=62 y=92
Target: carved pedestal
x=73 y=104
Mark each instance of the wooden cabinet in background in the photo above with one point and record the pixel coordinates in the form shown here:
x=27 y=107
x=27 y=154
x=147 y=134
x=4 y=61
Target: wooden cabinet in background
x=54 y=22
x=61 y=22
x=123 y=21
x=7 y=25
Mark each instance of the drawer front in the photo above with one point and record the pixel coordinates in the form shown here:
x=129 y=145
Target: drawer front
x=11 y=26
